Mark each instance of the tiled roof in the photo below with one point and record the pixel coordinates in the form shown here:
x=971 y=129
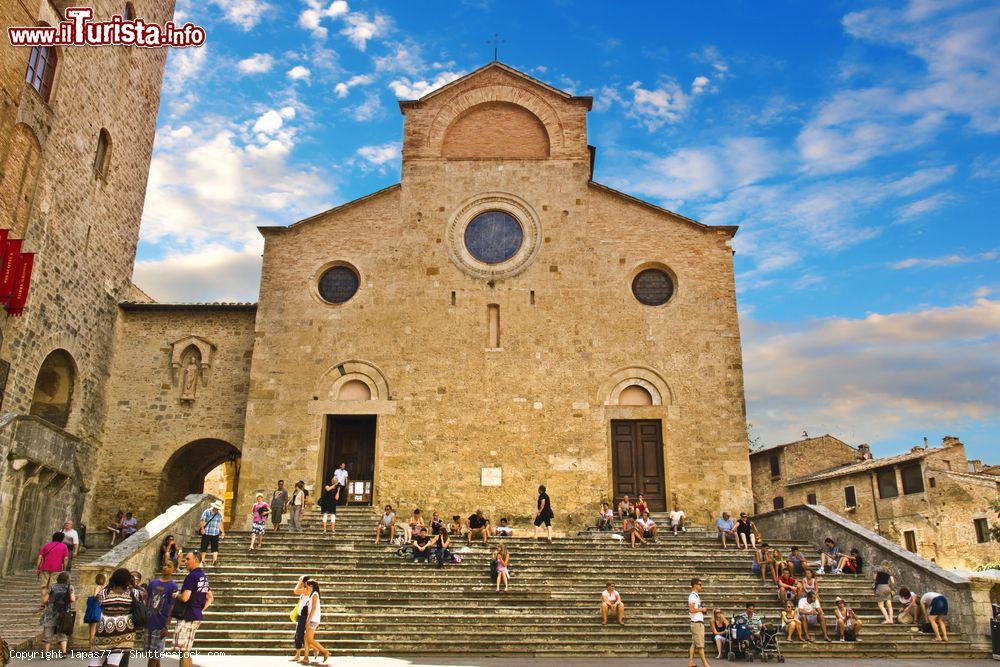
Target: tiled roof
x=861 y=466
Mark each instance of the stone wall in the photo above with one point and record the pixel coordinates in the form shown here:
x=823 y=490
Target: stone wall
x=84 y=228
x=156 y=443
x=794 y=459
x=536 y=406
x=969 y=600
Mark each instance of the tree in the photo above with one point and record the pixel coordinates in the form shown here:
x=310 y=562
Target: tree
x=753 y=438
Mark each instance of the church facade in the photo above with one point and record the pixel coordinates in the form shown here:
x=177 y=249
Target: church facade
x=494 y=322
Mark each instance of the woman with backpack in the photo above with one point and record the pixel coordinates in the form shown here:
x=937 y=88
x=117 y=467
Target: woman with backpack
x=116 y=629
x=57 y=617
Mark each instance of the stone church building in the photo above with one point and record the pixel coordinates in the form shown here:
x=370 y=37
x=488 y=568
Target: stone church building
x=495 y=321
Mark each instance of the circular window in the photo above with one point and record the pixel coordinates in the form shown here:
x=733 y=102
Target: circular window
x=338 y=284
x=493 y=236
x=653 y=287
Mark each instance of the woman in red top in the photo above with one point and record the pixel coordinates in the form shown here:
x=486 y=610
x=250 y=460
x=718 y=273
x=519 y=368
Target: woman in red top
x=641 y=506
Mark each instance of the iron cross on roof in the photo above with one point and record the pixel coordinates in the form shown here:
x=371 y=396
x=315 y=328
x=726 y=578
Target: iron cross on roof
x=496 y=42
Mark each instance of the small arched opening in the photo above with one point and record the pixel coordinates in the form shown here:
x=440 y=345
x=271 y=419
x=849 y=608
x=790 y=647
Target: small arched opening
x=201 y=466
x=635 y=395
x=52 y=399
x=354 y=390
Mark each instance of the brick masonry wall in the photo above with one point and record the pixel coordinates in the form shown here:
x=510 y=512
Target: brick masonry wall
x=535 y=408
x=795 y=459
x=147 y=421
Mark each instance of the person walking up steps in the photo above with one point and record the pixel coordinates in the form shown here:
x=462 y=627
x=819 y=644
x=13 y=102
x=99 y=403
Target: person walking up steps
x=696 y=610
x=341 y=475
x=298 y=503
x=545 y=514
x=279 y=501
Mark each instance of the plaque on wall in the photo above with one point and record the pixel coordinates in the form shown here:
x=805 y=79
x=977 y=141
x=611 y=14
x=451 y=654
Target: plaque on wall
x=492 y=476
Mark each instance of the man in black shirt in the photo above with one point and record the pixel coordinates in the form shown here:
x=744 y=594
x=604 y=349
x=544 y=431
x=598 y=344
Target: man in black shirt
x=422 y=546
x=479 y=525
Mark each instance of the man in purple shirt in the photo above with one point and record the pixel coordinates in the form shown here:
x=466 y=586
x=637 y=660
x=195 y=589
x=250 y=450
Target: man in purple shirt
x=197 y=595
x=159 y=601
x=52 y=559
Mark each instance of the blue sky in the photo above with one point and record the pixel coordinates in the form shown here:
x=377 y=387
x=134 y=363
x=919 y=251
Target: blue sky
x=857 y=145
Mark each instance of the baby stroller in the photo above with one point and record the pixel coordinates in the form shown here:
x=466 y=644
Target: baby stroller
x=738 y=639
x=765 y=644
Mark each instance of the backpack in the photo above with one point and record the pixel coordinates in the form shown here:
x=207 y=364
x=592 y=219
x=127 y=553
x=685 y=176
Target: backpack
x=139 y=615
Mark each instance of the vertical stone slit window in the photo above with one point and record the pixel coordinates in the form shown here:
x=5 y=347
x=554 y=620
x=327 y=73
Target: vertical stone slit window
x=102 y=158
x=493 y=325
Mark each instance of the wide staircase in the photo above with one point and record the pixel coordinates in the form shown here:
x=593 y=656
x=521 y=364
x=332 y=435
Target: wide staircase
x=375 y=602
x=19 y=598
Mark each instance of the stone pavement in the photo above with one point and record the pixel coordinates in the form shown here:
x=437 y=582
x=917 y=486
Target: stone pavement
x=423 y=661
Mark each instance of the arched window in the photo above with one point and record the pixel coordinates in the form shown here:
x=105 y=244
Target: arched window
x=354 y=390
x=53 y=396
x=41 y=70
x=102 y=158
x=129 y=12
x=635 y=395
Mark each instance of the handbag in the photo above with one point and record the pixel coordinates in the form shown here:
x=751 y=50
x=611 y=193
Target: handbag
x=139 y=616
x=294 y=616
x=179 y=609
x=65 y=622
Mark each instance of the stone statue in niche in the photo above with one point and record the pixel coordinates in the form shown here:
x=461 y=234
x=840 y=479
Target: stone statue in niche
x=189 y=385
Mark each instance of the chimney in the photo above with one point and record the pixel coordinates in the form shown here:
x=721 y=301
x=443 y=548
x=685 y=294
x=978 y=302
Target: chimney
x=950 y=441
x=925 y=442
x=864 y=452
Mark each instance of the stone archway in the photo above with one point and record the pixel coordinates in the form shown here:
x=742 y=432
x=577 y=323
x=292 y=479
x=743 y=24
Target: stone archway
x=52 y=399
x=185 y=471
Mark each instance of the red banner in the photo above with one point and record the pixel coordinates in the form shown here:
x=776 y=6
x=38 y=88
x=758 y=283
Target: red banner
x=21 y=283
x=8 y=270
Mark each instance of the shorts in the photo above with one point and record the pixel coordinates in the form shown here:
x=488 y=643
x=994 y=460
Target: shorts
x=314 y=625
x=330 y=516
x=755 y=568
x=812 y=619
x=939 y=606
x=698 y=634
x=276 y=516
x=547 y=520
x=883 y=593
x=46 y=579
x=153 y=640
x=50 y=636
x=648 y=534
x=210 y=543
x=257 y=528
x=184 y=635
x=849 y=568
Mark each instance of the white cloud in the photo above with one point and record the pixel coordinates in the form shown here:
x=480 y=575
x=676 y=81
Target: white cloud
x=666 y=103
x=945 y=260
x=269 y=122
x=360 y=28
x=342 y=89
x=699 y=84
x=382 y=154
x=922 y=207
x=403 y=57
x=183 y=68
x=214 y=272
x=369 y=109
x=298 y=73
x=407 y=89
x=243 y=13
x=312 y=16
x=876 y=376
x=259 y=63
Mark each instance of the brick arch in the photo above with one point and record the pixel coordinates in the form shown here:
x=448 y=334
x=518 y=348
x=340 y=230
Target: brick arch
x=328 y=387
x=641 y=376
x=36 y=359
x=451 y=111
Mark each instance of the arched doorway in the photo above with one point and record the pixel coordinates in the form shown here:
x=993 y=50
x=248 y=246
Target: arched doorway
x=52 y=399
x=187 y=469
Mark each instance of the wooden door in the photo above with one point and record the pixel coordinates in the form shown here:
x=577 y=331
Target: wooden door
x=351 y=440
x=637 y=461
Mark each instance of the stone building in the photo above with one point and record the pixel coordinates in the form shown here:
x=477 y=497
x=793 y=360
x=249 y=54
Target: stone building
x=76 y=136
x=931 y=500
x=495 y=321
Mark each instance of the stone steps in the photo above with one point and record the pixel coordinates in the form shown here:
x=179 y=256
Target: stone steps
x=376 y=603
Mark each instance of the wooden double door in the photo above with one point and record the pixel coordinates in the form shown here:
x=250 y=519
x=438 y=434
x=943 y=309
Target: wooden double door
x=637 y=461
x=350 y=440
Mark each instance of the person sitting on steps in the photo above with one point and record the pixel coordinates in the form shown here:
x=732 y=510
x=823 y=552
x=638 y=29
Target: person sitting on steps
x=611 y=601
x=726 y=528
x=848 y=623
x=625 y=508
x=647 y=526
x=504 y=529
x=414 y=525
x=386 y=525
x=606 y=518
x=479 y=526
x=422 y=546
x=457 y=527
x=633 y=532
x=677 y=518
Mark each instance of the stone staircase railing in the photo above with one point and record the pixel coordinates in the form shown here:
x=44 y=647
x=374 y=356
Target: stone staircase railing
x=141 y=551
x=968 y=597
